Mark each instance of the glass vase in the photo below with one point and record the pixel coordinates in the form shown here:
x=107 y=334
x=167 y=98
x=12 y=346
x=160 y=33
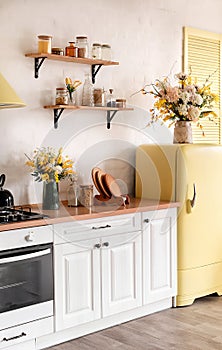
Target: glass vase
x=50 y=199
x=72 y=98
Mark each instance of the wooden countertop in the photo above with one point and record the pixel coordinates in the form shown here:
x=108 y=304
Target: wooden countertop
x=65 y=213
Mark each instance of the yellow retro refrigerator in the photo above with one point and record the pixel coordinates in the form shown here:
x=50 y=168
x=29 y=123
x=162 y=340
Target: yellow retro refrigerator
x=192 y=175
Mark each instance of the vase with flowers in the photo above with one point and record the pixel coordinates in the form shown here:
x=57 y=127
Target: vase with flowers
x=71 y=87
x=50 y=167
x=181 y=104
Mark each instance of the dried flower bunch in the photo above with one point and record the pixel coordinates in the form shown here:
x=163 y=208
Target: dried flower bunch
x=185 y=101
x=49 y=165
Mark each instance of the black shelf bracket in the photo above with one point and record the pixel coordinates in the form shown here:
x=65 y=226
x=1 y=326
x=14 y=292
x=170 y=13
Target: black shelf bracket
x=110 y=116
x=38 y=62
x=95 y=69
x=57 y=115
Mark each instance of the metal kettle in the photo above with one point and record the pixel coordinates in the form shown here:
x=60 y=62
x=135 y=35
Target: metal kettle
x=6 y=198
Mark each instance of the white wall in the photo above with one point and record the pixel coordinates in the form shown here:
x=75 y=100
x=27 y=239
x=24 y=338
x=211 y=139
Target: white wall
x=146 y=38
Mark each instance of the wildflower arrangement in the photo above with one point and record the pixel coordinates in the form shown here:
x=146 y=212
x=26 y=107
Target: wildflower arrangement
x=185 y=101
x=72 y=86
x=49 y=165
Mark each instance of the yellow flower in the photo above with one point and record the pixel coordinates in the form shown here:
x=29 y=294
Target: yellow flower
x=30 y=163
x=68 y=81
x=45 y=177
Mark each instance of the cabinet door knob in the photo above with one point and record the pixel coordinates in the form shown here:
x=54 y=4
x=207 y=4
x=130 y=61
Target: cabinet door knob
x=97 y=245
x=29 y=237
x=147 y=220
x=105 y=244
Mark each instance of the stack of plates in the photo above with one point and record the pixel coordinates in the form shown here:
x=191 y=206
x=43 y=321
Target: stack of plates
x=106 y=185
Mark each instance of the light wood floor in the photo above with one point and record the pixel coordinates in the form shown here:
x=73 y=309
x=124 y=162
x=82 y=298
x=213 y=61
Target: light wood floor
x=196 y=327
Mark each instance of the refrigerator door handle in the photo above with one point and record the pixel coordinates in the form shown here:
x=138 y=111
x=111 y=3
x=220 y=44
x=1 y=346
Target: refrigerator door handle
x=192 y=201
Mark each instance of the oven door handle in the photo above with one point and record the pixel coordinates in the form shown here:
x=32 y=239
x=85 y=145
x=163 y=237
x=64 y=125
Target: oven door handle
x=25 y=256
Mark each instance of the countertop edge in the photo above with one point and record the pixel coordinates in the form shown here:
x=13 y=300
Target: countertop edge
x=66 y=214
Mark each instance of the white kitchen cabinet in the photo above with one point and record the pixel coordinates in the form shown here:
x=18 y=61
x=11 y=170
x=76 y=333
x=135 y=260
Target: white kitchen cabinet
x=112 y=269
x=159 y=255
x=77 y=283
x=121 y=261
x=97 y=277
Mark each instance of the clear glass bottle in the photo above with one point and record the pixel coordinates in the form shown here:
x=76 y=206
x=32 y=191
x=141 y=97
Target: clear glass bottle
x=73 y=193
x=71 y=50
x=106 y=52
x=83 y=46
x=111 y=101
x=87 y=94
x=61 y=96
x=96 y=51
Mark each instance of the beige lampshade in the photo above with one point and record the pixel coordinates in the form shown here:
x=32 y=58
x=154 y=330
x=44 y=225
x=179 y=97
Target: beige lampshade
x=8 y=97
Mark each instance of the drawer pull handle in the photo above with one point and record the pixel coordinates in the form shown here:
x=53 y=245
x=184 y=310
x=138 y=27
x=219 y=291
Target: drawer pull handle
x=97 y=246
x=147 y=220
x=100 y=227
x=105 y=244
x=15 y=337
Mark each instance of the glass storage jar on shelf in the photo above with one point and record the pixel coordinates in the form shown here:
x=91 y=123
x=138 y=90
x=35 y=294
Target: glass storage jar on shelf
x=61 y=96
x=58 y=51
x=99 y=96
x=44 y=44
x=71 y=50
x=83 y=46
x=106 y=52
x=96 y=51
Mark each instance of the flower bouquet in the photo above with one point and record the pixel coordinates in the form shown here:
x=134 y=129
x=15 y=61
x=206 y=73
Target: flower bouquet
x=50 y=167
x=185 y=101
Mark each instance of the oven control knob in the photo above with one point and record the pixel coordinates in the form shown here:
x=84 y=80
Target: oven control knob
x=30 y=237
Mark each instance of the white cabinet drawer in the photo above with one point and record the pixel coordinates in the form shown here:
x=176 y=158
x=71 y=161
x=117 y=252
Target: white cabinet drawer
x=83 y=229
x=25 y=237
x=28 y=345
x=27 y=331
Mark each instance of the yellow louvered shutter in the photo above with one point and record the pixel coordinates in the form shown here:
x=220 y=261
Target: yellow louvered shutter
x=202 y=56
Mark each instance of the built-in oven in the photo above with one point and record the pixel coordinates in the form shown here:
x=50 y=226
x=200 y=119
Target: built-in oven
x=26 y=277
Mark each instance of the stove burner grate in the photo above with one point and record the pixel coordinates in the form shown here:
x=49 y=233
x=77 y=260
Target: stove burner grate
x=20 y=213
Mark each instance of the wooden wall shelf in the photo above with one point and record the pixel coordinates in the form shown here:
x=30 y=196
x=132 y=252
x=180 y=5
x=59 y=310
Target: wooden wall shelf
x=95 y=64
x=111 y=111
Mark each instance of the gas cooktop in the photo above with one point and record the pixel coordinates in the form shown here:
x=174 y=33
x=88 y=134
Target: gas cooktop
x=15 y=214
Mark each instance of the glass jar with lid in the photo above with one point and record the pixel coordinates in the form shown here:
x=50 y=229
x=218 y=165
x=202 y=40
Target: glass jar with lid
x=58 y=51
x=44 y=44
x=106 y=52
x=61 y=96
x=86 y=195
x=96 y=51
x=83 y=46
